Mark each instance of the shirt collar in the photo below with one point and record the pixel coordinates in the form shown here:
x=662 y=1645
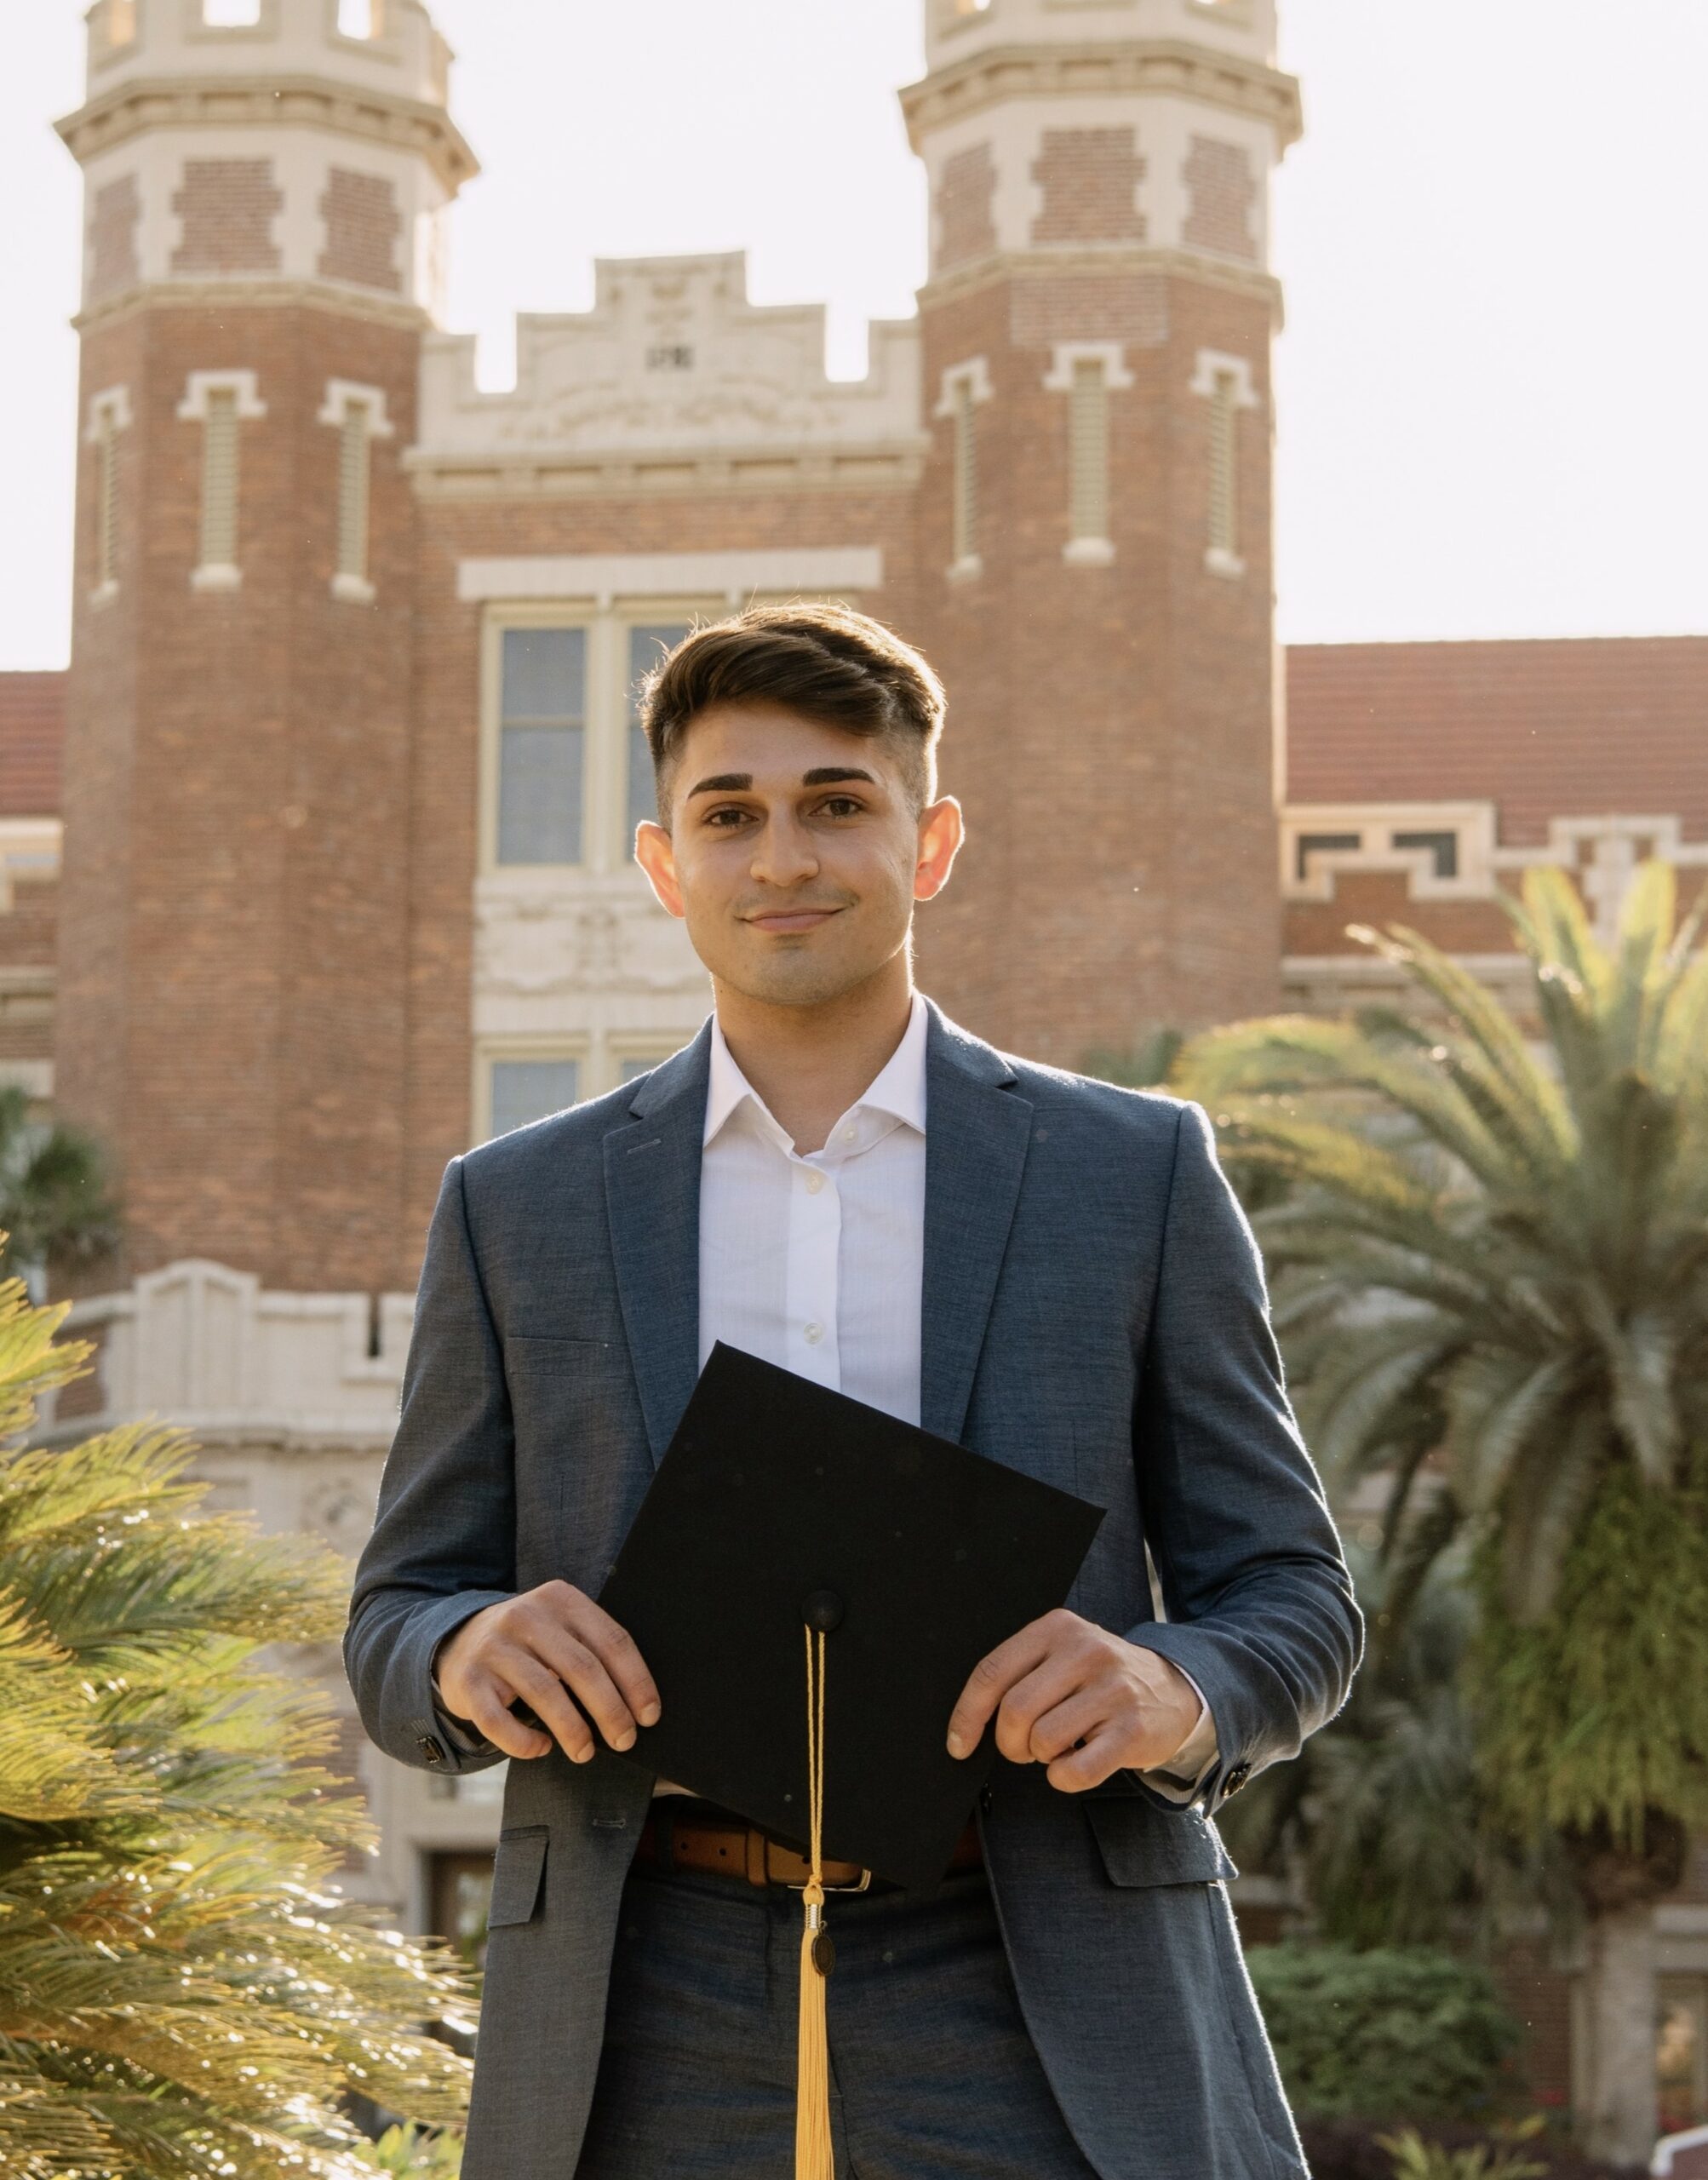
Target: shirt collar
x=899 y=1089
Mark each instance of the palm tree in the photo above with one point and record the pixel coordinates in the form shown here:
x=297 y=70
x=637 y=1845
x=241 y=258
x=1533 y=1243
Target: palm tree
x=181 y=1990
x=1491 y=1269
x=55 y=1208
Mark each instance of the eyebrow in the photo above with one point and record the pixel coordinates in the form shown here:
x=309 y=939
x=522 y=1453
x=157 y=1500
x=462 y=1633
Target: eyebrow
x=821 y=776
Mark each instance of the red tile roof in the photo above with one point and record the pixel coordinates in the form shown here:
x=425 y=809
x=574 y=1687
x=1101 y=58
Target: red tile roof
x=32 y=718
x=1583 y=727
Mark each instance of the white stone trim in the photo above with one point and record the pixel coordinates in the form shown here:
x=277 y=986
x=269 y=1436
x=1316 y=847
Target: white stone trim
x=1603 y=851
x=194 y=408
x=217 y=575
x=736 y=576
x=1211 y=364
x=1111 y=354
x=1221 y=562
x=974 y=372
x=1088 y=552
x=341 y=392
x=113 y=402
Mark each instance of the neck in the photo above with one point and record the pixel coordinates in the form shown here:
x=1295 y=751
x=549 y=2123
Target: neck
x=810 y=1063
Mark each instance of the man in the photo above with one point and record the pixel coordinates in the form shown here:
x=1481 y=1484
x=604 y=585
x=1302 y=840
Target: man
x=834 y=1176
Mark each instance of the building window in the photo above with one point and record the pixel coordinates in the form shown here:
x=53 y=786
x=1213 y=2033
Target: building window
x=459 y=1899
x=648 y=644
x=118 y=23
x=220 y=402
x=524 y=1090
x=541 y=744
x=1682 y=2051
x=109 y=414
x=361 y=19
x=1225 y=381
x=357 y=414
x=1088 y=372
x=965 y=388
x=231 y=15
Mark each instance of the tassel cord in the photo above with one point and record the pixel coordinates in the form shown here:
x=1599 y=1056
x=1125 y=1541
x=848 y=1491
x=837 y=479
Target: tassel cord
x=814 y=2156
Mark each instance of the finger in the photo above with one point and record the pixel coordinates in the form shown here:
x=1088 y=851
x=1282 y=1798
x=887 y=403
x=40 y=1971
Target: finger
x=540 y=1688
x=493 y=1716
x=1060 y=1676
x=990 y=1680
x=582 y=1672
x=1100 y=1758
x=620 y=1654
x=1077 y=1720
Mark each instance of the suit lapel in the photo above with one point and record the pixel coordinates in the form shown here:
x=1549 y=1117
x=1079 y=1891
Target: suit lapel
x=652 y=1203
x=977 y=1134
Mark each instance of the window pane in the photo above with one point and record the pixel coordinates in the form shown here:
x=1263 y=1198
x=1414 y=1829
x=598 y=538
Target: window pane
x=545 y=674
x=632 y=1069
x=524 y=1090
x=540 y=794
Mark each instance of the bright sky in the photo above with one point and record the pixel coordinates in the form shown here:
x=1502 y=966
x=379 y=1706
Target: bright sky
x=1490 y=413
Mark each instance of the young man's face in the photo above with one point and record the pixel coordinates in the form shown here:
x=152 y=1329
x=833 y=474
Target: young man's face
x=793 y=854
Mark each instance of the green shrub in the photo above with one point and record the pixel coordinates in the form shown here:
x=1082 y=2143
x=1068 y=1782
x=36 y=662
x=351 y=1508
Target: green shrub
x=1395 y=2033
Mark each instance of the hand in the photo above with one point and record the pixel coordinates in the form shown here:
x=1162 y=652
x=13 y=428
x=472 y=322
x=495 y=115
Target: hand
x=544 y=1646
x=1070 y=1695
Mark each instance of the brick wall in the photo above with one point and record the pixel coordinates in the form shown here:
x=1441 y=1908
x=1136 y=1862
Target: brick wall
x=1222 y=188
x=233 y=956
x=1109 y=728
x=1090 y=180
x=113 y=218
x=966 y=225
x=227 y=207
x=363 y=224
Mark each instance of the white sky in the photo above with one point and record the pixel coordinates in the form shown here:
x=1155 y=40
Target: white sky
x=1491 y=417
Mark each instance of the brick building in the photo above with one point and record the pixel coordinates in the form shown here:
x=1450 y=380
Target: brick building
x=350 y=766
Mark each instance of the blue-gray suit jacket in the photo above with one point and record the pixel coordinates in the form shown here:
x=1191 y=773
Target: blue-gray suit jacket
x=1094 y=1313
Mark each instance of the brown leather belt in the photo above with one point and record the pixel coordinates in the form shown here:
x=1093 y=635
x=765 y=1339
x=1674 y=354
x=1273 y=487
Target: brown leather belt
x=731 y=1848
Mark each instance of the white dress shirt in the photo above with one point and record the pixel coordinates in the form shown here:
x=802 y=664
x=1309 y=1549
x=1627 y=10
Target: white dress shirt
x=817 y=1262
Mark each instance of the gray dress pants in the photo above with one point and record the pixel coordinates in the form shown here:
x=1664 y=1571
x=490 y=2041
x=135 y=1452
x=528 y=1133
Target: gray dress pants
x=933 y=2074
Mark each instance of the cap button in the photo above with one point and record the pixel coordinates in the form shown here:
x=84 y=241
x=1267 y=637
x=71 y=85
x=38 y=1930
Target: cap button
x=822 y=1611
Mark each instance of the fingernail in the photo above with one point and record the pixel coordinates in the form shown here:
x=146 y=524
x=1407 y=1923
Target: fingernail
x=957 y=1746
x=626 y=1740
x=650 y=1715
x=584 y=1756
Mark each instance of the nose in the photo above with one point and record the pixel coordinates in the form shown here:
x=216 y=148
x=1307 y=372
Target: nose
x=783 y=853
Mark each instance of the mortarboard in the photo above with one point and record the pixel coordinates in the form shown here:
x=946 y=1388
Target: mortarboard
x=811 y=1581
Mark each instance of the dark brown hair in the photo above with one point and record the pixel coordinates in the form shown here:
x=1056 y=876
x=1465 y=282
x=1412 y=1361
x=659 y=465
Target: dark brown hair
x=826 y=661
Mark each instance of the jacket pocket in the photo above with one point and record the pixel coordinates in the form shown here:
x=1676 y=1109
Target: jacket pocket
x=1142 y=1844
x=517 y=1870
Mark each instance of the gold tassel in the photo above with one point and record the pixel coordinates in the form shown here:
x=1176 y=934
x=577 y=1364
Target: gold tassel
x=814 y=2157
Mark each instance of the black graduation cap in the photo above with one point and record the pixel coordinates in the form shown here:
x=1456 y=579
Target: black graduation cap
x=783 y=1513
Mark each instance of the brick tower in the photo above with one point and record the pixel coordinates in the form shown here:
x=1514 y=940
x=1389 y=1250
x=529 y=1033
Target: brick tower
x=1095 y=514
x=264 y=191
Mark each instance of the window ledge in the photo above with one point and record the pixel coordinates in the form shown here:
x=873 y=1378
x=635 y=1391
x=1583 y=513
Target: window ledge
x=1221 y=562
x=355 y=590
x=103 y=593
x=965 y=569
x=216 y=575
x=1088 y=552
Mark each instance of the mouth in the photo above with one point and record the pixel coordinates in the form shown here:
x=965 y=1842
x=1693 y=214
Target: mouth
x=792 y=920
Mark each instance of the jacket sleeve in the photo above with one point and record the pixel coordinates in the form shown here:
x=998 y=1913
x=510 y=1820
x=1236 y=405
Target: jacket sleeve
x=444 y=1541
x=1259 y=1603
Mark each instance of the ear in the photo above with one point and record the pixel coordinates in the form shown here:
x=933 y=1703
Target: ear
x=656 y=853
x=941 y=834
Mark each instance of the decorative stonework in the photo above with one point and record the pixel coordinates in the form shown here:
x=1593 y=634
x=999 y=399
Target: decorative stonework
x=209 y=1348
x=1088 y=179
x=1131 y=307
x=113 y=264
x=560 y=939
x=964 y=225
x=227 y=208
x=672 y=361
x=363 y=224
x=1222 y=191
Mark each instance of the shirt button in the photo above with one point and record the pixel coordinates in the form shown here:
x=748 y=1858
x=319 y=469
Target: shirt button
x=815 y=1333
x=848 y=1135
x=815 y=1181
